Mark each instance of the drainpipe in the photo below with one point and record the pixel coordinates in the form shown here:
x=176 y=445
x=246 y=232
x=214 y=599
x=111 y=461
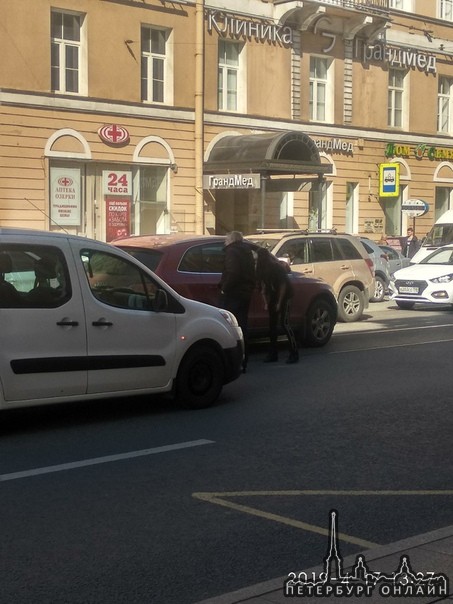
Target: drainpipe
x=199 y=117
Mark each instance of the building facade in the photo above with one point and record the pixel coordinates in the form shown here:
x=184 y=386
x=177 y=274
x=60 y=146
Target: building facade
x=157 y=116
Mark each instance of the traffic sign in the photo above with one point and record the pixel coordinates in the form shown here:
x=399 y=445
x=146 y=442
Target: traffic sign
x=413 y=208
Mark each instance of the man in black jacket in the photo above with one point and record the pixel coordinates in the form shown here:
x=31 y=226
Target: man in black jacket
x=238 y=281
x=412 y=244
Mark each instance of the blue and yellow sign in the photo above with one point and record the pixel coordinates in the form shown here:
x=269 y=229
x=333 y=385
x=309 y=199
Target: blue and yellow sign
x=389 y=180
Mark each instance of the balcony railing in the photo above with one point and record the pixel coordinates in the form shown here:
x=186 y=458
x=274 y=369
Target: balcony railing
x=358 y=4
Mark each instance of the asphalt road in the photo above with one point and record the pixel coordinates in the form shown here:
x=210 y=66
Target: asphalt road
x=134 y=501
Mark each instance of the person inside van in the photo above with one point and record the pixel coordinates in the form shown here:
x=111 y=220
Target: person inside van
x=412 y=244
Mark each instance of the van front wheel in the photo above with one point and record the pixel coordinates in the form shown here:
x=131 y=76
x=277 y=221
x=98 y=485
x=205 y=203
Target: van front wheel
x=200 y=378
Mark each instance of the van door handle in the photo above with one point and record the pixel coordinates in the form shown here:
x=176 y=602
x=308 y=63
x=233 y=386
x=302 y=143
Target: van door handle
x=67 y=323
x=102 y=323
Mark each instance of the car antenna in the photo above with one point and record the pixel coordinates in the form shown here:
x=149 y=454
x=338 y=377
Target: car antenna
x=47 y=216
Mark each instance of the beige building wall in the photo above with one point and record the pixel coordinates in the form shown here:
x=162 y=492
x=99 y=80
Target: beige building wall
x=277 y=99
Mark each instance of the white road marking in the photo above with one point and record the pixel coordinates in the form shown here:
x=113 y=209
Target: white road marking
x=106 y=459
x=380 y=328
x=386 y=346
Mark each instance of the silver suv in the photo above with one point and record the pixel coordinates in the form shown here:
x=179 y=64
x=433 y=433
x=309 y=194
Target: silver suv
x=339 y=259
x=381 y=268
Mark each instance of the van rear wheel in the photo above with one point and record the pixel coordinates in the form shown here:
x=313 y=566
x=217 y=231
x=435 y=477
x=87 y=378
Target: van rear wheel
x=200 y=378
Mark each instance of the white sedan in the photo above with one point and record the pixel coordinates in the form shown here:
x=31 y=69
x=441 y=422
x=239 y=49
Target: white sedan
x=428 y=282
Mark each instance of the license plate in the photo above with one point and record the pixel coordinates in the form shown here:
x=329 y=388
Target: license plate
x=408 y=290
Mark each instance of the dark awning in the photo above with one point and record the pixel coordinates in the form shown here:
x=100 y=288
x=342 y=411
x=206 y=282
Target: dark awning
x=268 y=153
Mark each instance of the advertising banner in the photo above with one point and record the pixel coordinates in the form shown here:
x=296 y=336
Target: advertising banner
x=118 y=217
x=65 y=197
x=116 y=182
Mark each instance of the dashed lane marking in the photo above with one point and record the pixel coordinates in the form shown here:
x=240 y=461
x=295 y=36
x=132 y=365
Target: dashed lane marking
x=100 y=460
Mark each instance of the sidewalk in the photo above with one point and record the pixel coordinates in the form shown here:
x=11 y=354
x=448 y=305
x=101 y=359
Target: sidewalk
x=428 y=552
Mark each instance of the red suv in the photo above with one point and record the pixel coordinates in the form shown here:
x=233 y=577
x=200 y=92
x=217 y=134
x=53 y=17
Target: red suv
x=193 y=264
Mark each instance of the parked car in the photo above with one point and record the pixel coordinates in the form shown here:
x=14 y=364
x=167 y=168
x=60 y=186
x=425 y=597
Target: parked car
x=395 y=258
x=193 y=264
x=428 y=282
x=339 y=259
x=381 y=268
x=94 y=322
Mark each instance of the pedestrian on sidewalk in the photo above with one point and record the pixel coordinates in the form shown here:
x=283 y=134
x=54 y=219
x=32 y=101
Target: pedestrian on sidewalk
x=275 y=285
x=238 y=282
x=412 y=244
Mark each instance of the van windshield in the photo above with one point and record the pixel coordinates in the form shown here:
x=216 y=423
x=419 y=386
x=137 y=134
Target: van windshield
x=440 y=234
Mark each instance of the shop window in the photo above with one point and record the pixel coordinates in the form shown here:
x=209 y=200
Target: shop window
x=66 y=52
x=443 y=201
x=444 y=100
x=393 y=214
x=321 y=90
x=150 y=200
x=155 y=63
x=229 y=76
x=445 y=9
x=317 y=209
x=396 y=94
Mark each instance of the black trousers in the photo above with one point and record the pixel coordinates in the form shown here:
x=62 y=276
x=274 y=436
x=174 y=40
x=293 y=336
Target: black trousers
x=239 y=306
x=281 y=318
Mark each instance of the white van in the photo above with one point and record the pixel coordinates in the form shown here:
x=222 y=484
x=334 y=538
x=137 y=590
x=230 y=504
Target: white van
x=441 y=234
x=81 y=319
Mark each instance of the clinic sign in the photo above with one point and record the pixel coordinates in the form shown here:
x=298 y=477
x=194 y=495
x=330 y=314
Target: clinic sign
x=231 y=26
x=398 y=57
x=65 y=196
x=389 y=180
x=232 y=181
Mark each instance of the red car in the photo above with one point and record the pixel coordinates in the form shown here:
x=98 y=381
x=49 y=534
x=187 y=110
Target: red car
x=192 y=265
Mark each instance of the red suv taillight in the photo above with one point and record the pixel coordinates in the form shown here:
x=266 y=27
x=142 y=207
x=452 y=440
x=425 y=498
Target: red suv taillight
x=370 y=265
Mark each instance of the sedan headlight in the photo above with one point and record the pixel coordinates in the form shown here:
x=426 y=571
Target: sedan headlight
x=443 y=279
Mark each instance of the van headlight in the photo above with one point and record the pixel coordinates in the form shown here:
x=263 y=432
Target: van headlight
x=229 y=317
x=443 y=279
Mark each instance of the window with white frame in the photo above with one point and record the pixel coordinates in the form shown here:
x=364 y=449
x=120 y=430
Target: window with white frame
x=406 y=5
x=350 y=210
x=396 y=98
x=321 y=100
x=444 y=100
x=155 y=85
x=443 y=201
x=445 y=9
x=66 y=52
x=229 y=75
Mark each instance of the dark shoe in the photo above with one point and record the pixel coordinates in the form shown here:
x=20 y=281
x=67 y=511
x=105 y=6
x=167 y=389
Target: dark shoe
x=272 y=357
x=293 y=358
